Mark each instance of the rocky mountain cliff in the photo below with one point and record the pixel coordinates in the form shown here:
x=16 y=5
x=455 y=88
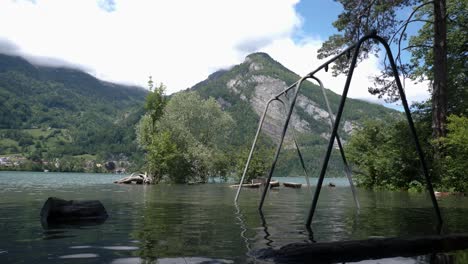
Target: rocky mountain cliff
x=245 y=89
x=259 y=78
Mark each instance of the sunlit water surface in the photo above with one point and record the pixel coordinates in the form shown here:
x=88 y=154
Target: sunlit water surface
x=197 y=223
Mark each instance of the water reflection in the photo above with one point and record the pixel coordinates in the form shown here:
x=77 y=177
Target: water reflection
x=241 y=223
x=269 y=242
x=76 y=224
x=172 y=223
x=178 y=222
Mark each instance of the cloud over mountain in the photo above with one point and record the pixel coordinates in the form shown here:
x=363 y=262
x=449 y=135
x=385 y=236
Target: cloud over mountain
x=177 y=42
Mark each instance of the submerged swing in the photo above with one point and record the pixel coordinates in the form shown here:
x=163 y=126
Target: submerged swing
x=296 y=85
x=335 y=125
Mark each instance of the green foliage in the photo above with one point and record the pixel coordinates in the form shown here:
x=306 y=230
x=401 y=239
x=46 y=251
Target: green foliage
x=155 y=101
x=185 y=144
x=386 y=155
x=259 y=164
x=454 y=164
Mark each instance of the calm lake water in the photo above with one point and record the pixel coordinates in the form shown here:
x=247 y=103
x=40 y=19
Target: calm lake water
x=196 y=223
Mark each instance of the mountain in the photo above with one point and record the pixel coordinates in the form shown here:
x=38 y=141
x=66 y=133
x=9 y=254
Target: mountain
x=244 y=90
x=49 y=112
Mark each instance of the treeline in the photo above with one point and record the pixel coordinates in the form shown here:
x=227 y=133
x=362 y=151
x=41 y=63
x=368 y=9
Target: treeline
x=386 y=157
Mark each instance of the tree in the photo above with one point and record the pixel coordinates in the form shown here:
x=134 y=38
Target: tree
x=361 y=17
x=185 y=142
x=457 y=44
x=155 y=101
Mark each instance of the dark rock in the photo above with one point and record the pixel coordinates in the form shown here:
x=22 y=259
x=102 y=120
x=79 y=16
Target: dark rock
x=57 y=212
x=110 y=165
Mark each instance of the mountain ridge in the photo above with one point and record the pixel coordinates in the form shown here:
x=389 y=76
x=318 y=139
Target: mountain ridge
x=62 y=111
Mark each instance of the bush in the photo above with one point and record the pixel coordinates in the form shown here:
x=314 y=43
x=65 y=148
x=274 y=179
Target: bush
x=453 y=164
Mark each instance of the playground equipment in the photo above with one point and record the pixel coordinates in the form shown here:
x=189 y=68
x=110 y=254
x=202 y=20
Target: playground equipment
x=335 y=124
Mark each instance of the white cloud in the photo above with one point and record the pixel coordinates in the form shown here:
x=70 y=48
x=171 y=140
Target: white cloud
x=177 y=42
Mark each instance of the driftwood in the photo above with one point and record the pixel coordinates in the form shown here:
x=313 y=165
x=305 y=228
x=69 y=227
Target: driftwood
x=357 y=250
x=57 y=212
x=136 y=178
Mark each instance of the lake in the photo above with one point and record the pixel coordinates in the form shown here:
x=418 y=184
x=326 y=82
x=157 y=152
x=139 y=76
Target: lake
x=200 y=223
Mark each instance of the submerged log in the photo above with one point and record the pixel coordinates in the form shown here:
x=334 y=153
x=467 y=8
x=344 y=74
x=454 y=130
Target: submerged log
x=56 y=212
x=292 y=184
x=357 y=250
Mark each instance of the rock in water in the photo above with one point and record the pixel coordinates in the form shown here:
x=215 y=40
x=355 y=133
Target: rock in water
x=57 y=212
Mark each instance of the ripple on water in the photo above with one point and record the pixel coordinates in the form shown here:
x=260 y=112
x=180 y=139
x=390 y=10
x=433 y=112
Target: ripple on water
x=80 y=247
x=120 y=248
x=82 y=255
x=127 y=261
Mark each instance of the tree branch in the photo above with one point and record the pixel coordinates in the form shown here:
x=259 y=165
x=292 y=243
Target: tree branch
x=416 y=46
x=410 y=20
x=403 y=31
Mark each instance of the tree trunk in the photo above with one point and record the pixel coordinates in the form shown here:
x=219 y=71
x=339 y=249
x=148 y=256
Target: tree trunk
x=439 y=89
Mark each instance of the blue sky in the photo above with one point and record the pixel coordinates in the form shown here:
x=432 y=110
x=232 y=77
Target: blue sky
x=318 y=17
x=125 y=41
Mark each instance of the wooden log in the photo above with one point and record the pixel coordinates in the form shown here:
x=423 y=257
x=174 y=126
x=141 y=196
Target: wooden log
x=56 y=212
x=357 y=250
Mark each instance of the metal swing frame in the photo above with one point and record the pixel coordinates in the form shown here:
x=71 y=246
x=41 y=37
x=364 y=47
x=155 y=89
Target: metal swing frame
x=336 y=123
x=357 y=47
x=330 y=114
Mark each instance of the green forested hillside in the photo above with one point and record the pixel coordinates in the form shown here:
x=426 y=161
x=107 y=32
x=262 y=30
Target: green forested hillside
x=49 y=113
